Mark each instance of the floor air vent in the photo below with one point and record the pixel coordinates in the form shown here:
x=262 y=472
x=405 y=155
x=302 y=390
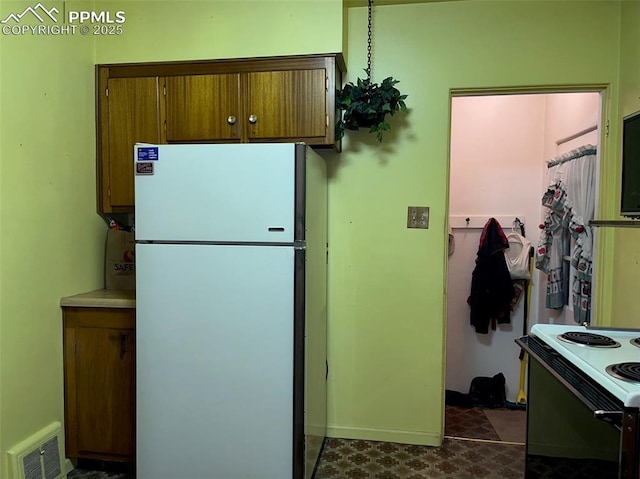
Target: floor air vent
x=39 y=456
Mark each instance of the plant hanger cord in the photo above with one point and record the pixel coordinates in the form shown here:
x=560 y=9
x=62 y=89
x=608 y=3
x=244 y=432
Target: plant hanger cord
x=369 y=40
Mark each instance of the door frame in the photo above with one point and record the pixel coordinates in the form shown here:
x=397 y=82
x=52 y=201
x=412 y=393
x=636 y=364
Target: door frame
x=603 y=251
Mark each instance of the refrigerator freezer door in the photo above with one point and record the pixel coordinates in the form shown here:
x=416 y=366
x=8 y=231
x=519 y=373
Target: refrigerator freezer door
x=214 y=361
x=223 y=193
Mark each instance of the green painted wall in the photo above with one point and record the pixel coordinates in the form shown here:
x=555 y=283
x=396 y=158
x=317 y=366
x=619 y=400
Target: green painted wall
x=185 y=30
x=626 y=311
x=3 y=471
x=51 y=241
x=386 y=287
x=387 y=291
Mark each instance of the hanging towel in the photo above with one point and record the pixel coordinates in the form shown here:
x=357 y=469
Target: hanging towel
x=517 y=256
x=582 y=262
x=565 y=247
x=553 y=245
x=491 y=286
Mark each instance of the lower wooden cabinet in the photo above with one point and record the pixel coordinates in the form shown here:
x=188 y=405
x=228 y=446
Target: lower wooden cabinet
x=99 y=383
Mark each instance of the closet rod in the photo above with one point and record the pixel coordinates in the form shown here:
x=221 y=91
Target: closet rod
x=572 y=155
x=576 y=135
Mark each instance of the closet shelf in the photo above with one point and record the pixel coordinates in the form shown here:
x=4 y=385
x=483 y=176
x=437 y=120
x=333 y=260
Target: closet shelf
x=479 y=221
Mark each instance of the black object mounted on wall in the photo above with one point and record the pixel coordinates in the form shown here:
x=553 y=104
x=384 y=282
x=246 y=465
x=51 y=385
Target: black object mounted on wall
x=630 y=197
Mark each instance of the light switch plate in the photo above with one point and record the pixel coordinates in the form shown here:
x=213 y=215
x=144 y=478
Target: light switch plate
x=418 y=217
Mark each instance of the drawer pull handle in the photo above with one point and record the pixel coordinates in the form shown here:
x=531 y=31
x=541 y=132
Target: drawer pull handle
x=253 y=119
x=606 y=415
x=231 y=120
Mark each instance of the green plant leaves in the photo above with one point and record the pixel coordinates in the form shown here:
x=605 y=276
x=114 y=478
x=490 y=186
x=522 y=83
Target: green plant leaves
x=366 y=104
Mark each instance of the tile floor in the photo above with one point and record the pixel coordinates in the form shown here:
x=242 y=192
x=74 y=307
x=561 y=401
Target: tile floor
x=455 y=459
x=470 y=423
x=86 y=474
x=476 y=446
x=502 y=424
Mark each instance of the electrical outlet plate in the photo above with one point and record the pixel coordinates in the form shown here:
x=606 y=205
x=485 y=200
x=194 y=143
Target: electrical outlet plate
x=418 y=217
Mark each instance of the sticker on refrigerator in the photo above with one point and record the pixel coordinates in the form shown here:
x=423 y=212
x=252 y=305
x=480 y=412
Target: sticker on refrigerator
x=147 y=153
x=144 y=168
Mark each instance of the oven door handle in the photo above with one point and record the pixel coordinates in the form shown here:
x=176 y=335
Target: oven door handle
x=607 y=415
x=611 y=416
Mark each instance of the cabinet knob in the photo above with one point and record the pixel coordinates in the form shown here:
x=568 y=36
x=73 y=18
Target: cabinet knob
x=253 y=118
x=231 y=120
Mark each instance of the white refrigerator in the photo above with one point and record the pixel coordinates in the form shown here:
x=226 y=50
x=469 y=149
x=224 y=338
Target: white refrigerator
x=231 y=254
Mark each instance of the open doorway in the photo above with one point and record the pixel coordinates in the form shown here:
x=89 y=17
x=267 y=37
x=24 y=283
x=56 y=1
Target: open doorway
x=500 y=149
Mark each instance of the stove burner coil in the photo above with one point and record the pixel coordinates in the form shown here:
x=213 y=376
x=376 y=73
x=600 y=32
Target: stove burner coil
x=588 y=339
x=629 y=372
x=636 y=342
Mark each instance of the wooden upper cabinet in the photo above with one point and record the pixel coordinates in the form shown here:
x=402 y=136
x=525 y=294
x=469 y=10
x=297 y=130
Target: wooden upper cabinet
x=202 y=108
x=287 y=104
x=131 y=113
x=266 y=99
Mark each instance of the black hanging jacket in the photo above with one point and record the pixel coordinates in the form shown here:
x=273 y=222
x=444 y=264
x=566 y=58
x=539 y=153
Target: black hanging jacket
x=491 y=286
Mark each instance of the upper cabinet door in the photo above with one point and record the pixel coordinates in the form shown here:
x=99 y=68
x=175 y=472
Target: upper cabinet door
x=261 y=100
x=133 y=117
x=286 y=104
x=202 y=108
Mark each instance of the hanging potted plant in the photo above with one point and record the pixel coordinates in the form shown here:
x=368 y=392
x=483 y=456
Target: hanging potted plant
x=366 y=104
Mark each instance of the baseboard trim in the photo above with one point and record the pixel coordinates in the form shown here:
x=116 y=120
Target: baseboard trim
x=387 y=435
x=68 y=467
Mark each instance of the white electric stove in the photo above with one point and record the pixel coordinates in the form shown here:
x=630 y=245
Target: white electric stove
x=608 y=353
x=583 y=404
